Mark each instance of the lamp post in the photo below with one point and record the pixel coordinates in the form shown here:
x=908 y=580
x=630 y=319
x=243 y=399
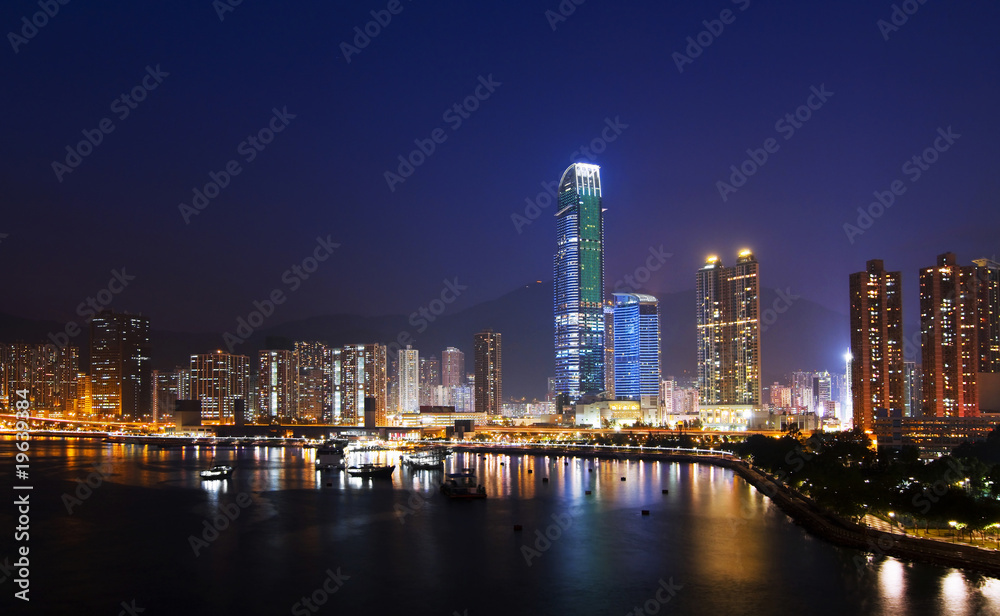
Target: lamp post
x=892 y=521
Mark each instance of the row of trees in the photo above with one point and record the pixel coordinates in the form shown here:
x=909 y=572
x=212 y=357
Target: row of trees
x=843 y=474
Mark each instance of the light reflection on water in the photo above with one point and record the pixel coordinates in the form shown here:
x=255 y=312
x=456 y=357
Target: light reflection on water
x=725 y=540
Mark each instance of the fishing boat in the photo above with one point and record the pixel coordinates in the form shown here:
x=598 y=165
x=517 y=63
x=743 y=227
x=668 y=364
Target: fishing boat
x=217 y=472
x=462 y=485
x=371 y=471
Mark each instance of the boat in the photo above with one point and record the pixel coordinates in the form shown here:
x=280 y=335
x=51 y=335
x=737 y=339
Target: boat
x=429 y=459
x=462 y=485
x=217 y=472
x=373 y=471
x=329 y=458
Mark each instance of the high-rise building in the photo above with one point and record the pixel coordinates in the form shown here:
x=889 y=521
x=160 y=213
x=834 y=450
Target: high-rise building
x=912 y=393
x=409 y=380
x=637 y=348
x=728 y=318
x=119 y=365
x=376 y=380
x=781 y=396
x=360 y=372
x=579 y=284
x=276 y=385
x=949 y=328
x=46 y=371
x=822 y=392
x=452 y=367
x=313 y=381
x=876 y=343
x=988 y=275
x=609 y=349
x=166 y=393
x=430 y=376
x=218 y=380
x=489 y=374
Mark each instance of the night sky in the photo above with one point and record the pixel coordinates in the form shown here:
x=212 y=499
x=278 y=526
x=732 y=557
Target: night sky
x=552 y=91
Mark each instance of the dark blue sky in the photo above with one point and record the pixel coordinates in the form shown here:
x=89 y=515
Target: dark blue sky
x=324 y=173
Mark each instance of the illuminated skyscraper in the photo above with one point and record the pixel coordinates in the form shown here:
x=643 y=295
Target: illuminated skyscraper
x=489 y=372
x=452 y=367
x=876 y=343
x=609 y=349
x=218 y=380
x=949 y=328
x=579 y=283
x=430 y=377
x=276 y=385
x=119 y=365
x=988 y=275
x=49 y=374
x=409 y=380
x=314 y=381
x=728 y=342
x=360 y=372
x=637 y=348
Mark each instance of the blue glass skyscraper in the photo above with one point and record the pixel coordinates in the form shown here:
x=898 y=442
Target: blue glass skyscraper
x=579 y=283
x=637 y=347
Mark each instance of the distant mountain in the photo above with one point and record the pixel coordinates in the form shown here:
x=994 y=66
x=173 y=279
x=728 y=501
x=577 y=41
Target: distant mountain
x=805 y=336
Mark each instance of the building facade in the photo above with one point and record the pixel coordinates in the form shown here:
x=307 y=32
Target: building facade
x=218 y=380
x=119 y=365
x=579 y=284
x=452 y=367
x=728 y=340
x=489 y=372
x=876 y=342
x=276 y=381
x=988 y=298
x=637 y=348
x=949 y=329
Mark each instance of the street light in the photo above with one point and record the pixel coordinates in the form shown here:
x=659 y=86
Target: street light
x=892 y=521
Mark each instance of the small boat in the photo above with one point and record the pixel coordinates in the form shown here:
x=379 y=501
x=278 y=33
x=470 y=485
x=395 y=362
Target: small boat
x=427 y=460
x=373 y=471
x=217 y=472
x=329 y=458
x=462 y=485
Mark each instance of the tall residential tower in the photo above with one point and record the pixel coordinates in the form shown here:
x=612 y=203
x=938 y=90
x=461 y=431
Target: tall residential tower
x=728 y=319
x=877 y=370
